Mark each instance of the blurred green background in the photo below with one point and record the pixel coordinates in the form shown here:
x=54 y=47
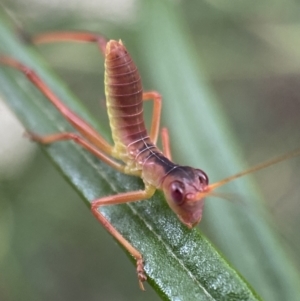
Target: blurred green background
x=249 y=58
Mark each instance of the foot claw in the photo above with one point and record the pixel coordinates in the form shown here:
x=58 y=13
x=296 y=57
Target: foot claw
x=141 y=273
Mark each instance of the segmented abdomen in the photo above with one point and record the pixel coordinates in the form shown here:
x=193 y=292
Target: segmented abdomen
x=124 y=96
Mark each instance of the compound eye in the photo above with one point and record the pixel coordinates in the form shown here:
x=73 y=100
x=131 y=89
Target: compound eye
x=177 y=192
x=203 y=178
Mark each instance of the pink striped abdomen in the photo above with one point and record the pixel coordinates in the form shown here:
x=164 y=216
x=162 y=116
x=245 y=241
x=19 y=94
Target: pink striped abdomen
x=124 y=96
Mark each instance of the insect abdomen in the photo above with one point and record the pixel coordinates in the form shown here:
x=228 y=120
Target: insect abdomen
x=124 y=96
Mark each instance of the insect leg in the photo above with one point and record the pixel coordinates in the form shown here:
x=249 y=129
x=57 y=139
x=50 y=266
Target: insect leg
x=156 y=97
x=165 y=138
x=71 y=36
x=79 y=140
x=84 y=128
x=118 y=199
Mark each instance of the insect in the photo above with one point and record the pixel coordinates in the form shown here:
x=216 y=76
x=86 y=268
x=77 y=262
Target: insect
x=184 y=187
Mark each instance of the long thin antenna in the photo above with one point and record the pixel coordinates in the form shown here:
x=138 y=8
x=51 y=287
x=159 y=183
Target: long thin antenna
x=255 y=168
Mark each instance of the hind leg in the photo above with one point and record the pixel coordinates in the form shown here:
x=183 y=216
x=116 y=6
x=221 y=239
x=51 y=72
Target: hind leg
x=82 y=126
x=71 y=36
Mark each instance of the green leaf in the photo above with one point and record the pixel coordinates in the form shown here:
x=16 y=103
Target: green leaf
x=180 y=263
